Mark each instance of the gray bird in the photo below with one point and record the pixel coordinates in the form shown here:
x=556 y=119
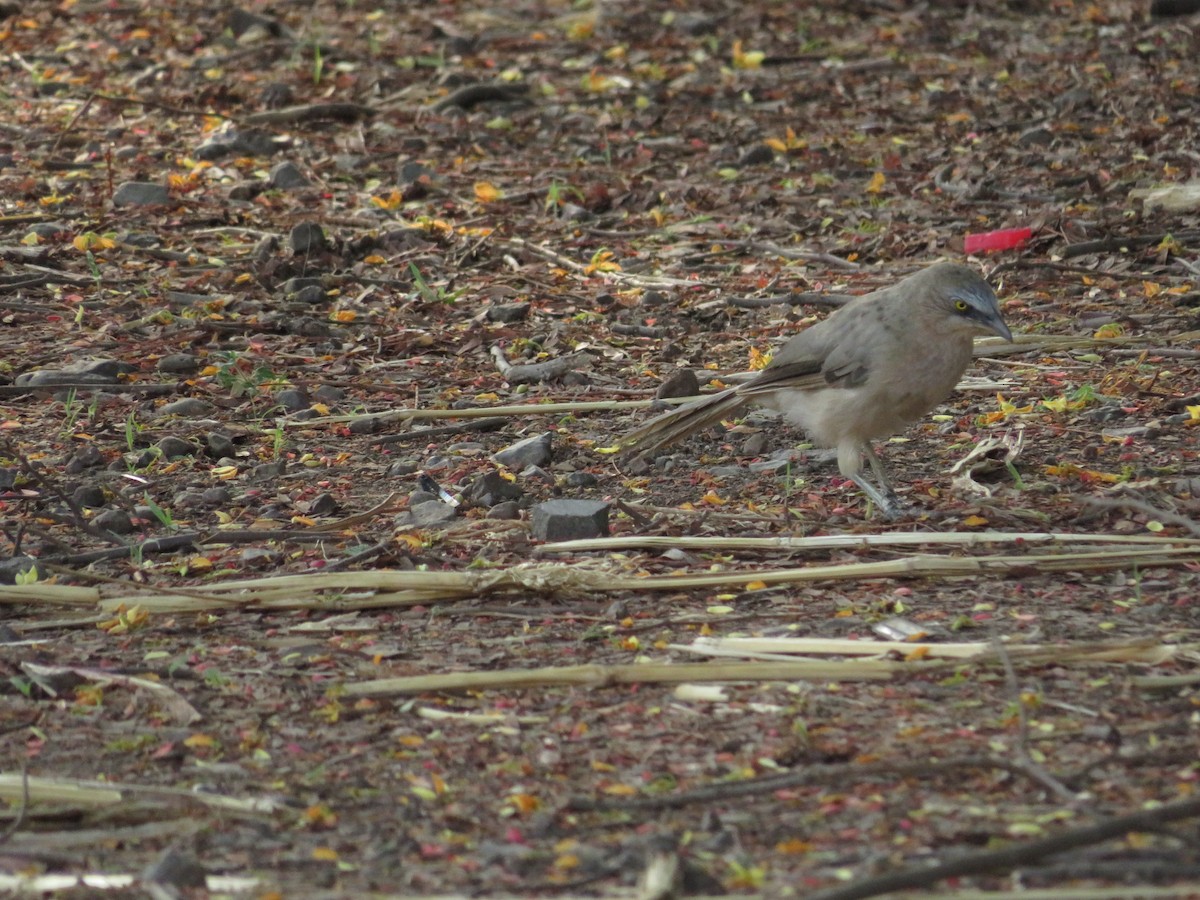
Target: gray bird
x=876 y=365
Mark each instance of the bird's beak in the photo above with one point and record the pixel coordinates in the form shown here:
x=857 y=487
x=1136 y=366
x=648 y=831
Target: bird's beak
x=996 y=325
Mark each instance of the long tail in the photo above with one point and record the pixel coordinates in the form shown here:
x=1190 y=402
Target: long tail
x=679 y=423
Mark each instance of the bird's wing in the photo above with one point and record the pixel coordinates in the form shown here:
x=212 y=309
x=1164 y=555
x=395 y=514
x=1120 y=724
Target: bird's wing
x=832 y=353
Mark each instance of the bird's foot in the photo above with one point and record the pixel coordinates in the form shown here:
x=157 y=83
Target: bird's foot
x=886 y=501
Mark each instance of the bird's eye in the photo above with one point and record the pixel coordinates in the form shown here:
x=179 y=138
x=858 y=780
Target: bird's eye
x=961 y=305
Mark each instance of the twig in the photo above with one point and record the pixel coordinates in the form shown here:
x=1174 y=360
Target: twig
x=535 y=372
x=1008 y=858
x=1140 y=506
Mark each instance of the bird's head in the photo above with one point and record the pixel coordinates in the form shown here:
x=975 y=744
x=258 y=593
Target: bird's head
x=961 y=293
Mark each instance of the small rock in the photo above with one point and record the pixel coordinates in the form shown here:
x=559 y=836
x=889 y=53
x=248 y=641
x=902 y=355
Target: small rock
x=466 y=447
x=180 y=363
x=87 y=371
x=184 y=406
x=366 y=425
x=268 y=471
x=312 y=295
x=758 y=155
x=176 y=870
x=13 y=566
x=416 y=498
x=401 y=468
x=216 y=496
x=286 y=176
x=292 y=399
x=434 y=512
x=323 y=505
x=532 y=451
x=1036 y=137
x=329 y=395
x=175 y=447
x=755 y=444
x=681 y=383
x=89 y=496
x=569 y=520
x=491 y=488
x=581 y=479
x=308 y=237
x=115 y=520
x=86 y=457
x=218 y=445
x=275 y=95
x=141 y=193
x=294 y=286
x=507 y=509
x=508 y=313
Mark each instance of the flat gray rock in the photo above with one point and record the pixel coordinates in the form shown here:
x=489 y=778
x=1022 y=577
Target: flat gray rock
x=569 y=520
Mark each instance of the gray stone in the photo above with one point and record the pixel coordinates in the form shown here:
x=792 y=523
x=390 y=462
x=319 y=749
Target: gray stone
x=86 y=371
x=141 y=193
x=569 y=520
x=218 y=445
x=433 y=512
x=507 y=509
x=216 y=496
x=115 y=520
x=86 y=457
x=181 y=363
x=508 y=313
x=292 y=399
x=323 y=505
x=175 y=447
x=286 y=176
x=491 y=488
x=13 y=566
x=184 y=406
x=416 y=498
x=268 y=471
x=532 y=451
x=89 y=496
x=581 y=479
x=308 y=237
x=681 y=383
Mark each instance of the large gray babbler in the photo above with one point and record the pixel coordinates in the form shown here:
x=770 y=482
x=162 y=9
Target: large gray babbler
x=880 y=362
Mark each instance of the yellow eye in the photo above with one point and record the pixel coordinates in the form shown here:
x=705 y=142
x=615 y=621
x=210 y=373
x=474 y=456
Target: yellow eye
x=961 y=305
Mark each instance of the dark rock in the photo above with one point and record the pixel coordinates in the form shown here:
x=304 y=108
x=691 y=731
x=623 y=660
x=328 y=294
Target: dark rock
x=294 y=286
x=292 y=399
x=1036 y=137
x=681 y=383
x=581 y=480
x=141 y=193
x=402 y=467
x=508 y=313
x=307 y=237
x=323 y=505
x=416 y=498
x=491 y=488
x=216 y=496
x=115 y=520
x=87 y=371
x=569 y=520
x=532 y=451
x=86 y=457
x=175 y=869
x=329 y=395
x=184 y=406
x=89 y=496
x=286 y=176
x=268 y=471
x=311 y=295
x=433 y=512
x=508 y=509
x=276 y=94
x=367 y=425
x=755 y=444
x=175 y=447
x=181 y=363
x=758 y=155
x=218 y=445
x=13 y=566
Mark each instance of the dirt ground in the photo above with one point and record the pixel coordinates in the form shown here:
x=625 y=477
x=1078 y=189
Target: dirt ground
x=269 y=271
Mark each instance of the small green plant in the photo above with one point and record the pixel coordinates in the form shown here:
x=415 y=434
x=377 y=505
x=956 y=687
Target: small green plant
x=241 y=378
x=278 y=440
x=557 y=193
x=318 y=68
x=71 y=409
x=29 y=576
x=428 y=292
x=132 y=431
x=164 y=516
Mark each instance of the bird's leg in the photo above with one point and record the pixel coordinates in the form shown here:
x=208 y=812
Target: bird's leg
x=883 y=496
x=886 y=503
